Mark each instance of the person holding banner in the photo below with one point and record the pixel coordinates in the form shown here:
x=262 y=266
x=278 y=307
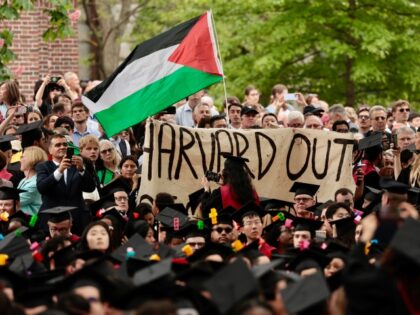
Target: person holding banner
x=236 y=190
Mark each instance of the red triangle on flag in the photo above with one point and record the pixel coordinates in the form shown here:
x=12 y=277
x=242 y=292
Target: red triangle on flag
x=197 y=50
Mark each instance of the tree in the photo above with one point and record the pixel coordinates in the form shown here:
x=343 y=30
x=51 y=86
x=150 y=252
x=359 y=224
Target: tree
x=108 y=21
x=347 y=51
x=59 y=26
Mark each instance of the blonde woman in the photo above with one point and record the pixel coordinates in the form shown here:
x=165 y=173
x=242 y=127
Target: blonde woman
x=30 y=200
x=107 y=164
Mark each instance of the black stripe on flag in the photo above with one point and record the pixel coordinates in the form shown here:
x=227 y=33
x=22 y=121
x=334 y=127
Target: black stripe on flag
x=166 y=39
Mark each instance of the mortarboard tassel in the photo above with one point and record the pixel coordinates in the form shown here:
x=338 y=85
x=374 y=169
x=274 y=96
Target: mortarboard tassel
x=200 y=225
x=288 y=223
x=213 y=216
x=4 y=216
x=37 y=256
x=1 y=237
x=187 y=250
x=3 y=259
x=154 y=257
x=237 y=245
x=130 y=253
x=34 y=219
x=279 y=216
x=176 y=224
x=304 y=245
x=136 y=215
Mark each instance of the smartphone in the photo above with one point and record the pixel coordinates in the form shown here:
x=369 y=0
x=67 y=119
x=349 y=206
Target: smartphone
x=290 y=97
x=395 y=140
x=320 y=236
x=69 y=153
x=55 y=79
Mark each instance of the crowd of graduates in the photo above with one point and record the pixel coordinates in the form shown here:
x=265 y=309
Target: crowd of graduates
x=75 y=238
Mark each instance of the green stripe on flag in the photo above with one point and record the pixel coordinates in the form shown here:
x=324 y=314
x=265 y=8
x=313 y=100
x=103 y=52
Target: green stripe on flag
x=154 y=98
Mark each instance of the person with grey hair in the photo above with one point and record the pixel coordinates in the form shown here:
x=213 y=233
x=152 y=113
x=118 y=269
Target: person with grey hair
x=378 y=120
x=338 y=112
x=405 y=136
x=295 y=119
x=210 y=102
x=72 y=85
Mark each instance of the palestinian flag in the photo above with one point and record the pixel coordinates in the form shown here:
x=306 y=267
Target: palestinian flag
x=157 y=74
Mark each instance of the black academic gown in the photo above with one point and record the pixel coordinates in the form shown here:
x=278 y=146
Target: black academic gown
x=369 y=289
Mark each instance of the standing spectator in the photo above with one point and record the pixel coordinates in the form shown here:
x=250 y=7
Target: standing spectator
x=207 y=100
x=46 y=93
x=71 y=84
x=107 y=165
x=401 y=112
x=363 y=120
x=234 y=113
x=184 y=114
x=61 y=182
x=30 y=199
x=80 y=115
x=279 y=104
x=252 y=96
x=248 y=117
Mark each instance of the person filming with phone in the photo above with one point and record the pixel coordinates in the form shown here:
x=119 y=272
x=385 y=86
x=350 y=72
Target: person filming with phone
x=62 y=181
x=236 y=186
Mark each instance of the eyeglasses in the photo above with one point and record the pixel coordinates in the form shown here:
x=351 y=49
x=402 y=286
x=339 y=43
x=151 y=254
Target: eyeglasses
x=18 y=116
x=121 y=198
x=297 y=200
x=250 y=223
x=107 y=150
x=380 y=118
x=402 y=110
x=220 y=230
x=61 y=144
x=364 y=117
x=197 y=244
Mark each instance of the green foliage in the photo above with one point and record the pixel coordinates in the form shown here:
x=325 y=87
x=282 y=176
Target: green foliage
x=352 y=51
x=59 y=26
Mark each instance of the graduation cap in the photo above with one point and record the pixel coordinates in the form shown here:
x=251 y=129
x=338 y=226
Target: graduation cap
x=139 y=246
x=414 y=196
x=375 y=140
x=118 y=184
x=169 y=215
x=153 y=273
x=30 y=133
x=10 y=193
x=345 y=227
x=65 y=256
x=261 y=270
x=304 y=189
x=247 y=210
x=234 y=159
x=303 y=294
x=113 y=213
x=270 y=204
x=406 y=240
x=194 y=199
x=231 y=284
x=5 y=142
x=309 y=258
x=14 y=244
x=59 y=214
x=393 y=186
x=303 y=224
x=191 y=229
x=223 y=217
x=211 y=248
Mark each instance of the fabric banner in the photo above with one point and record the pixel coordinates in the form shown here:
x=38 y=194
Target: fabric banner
x=176 y=158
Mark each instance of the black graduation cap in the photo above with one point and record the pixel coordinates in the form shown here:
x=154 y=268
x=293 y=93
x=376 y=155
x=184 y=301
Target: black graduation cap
x=138 y=244
x=14 y=244
x=63 y=257
x=304 y=189
x=118 y=184
x=153 y=273
x=374 y=140
x=262 y=270
x=20 y=216
x=168 y=214
x=393 y=186
x=30 y=133
x=198 y=273
x=59 y=214
x=250 y=208
x=10 y=193
x=192 y=229
x=406 y=240
x=194 y=199
x=211 y=248
x=5 y=144
x=223 y=217
x=324 y=205
x=234 y=159
x=270 y=204
x=106 y=202
x=311 y=257
x=117 y=216
x=344 y=227
x=414 y=196
x=303 y=224
x=305 y=293
x=231 y=284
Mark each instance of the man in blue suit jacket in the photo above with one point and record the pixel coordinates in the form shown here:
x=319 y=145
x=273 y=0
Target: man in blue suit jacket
x=61 y=183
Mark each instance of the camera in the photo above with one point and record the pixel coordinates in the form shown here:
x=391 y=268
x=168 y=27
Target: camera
x=212 y=176
x=55 y=79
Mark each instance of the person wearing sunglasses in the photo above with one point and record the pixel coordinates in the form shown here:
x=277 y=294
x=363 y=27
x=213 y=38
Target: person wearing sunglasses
x=401 y=112
x=223 y=232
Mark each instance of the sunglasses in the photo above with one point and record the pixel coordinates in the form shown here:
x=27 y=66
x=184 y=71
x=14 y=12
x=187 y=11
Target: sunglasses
x=107 y=151
x=402 y=110
x=220 y=230
x=380 y=118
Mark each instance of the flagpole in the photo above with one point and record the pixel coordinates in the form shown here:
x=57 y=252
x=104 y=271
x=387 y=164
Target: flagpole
x=220 y=55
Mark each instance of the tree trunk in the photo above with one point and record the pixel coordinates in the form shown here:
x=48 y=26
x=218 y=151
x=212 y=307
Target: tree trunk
x=350 y=86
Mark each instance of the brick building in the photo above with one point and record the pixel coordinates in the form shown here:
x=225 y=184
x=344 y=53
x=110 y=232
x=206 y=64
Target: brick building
x=36 y=56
